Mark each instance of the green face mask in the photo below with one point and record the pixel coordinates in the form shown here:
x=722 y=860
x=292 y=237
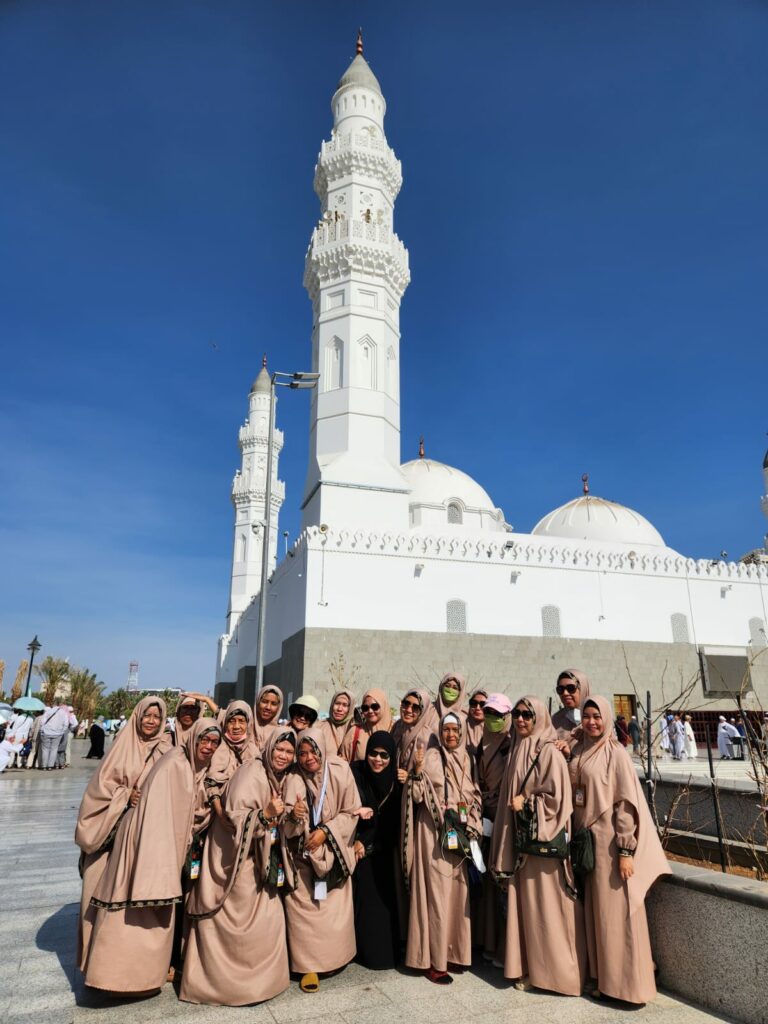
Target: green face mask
x=495 y=724
x=450 y=694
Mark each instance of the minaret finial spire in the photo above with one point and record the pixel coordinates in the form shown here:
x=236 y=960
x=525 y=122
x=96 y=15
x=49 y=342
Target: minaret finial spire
x=359 y=47
x=585 y=483
x=421 y=447
x=264 y=360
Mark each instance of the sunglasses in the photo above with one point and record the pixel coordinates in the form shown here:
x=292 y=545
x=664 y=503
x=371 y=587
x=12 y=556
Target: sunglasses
x=365 y=708
x=381 y=754
x=477 y=703
x=566 y=688
x=520 y=713
x=410 y=704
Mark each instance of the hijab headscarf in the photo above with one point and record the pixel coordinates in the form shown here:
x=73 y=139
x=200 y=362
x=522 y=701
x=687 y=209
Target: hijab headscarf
x=613 y=780
x=541 y=782
x=356 y=740
x=475 y=729
x=337 y=731
x=458 y=705
x=202 y=809
x=491 y=762
x=408 y=737
x=262 y=732
x=376 y=784
x=128 y=761
x=181 y=731
x=563 y=719
x=230 y=753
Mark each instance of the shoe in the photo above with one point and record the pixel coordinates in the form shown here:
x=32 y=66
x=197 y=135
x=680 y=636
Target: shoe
x=439 y=977
x=523 y=985
x=309 y=982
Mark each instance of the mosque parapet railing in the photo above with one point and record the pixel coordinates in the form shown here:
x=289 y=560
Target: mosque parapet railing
x=525 y=552
x=357 y=152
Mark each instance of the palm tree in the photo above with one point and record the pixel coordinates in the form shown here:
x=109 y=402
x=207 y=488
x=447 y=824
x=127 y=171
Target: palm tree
x=55 y=674
x=18 y=683
x=85 y=692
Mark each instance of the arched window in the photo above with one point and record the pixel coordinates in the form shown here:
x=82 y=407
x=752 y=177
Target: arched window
x=757 y=635
x=242 y=547
x=679 y=628
x=365 y=369
x=456 y=616
x=333 y=365
x=455 y=513
x=550 y=620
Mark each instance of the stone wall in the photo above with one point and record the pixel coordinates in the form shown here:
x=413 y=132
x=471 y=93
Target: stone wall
x=395 y=660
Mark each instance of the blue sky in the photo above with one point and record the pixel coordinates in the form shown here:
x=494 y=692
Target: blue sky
x=585 y=208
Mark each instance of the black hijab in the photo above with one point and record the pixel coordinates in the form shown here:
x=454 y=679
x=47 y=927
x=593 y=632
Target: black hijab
x=375 y=786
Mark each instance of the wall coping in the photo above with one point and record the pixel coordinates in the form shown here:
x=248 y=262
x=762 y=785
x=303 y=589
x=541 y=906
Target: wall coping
x=715 y=883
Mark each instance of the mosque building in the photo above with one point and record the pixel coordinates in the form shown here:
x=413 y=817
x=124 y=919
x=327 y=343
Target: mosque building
x=409 y=569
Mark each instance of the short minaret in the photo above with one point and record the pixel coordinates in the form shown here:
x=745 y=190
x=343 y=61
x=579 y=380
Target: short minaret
x=248 y=497
x=356 y=272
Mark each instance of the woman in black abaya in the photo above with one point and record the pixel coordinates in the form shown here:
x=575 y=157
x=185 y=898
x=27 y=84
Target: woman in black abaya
x=377 y=930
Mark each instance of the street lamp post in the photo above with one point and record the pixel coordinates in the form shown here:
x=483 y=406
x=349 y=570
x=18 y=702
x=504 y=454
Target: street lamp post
x=296 y=382
x=33 y=647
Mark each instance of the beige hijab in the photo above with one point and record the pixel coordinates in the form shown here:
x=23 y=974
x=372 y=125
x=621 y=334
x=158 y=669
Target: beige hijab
x=541 y=781
x=262 y=731
x=615 y=780
x=491 y=763
x=475 y=729
x=181 y=732
x=562 y=719
x=336 y=732
x=458 y=707
x=356 y=740
x=230 y=755
x=129 y=760
x=408 y=737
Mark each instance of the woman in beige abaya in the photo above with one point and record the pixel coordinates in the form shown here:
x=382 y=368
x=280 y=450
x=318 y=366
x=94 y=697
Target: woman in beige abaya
x=441 y=813
x=237 y=747
x=115 y=787
x=341 y=713
x=544 y=941
x=376 y=716
x=266 y=713
x=236 y=950
x=133 y=930
x=628 y=858
x=320 y=823
x=572 y=690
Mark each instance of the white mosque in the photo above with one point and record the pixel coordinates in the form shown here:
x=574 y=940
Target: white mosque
x=409 y=569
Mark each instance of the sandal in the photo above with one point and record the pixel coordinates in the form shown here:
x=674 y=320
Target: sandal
x=522 y=985
x=309 y=982
x=438 y=977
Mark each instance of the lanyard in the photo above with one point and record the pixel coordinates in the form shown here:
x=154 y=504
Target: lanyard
x=317 y=812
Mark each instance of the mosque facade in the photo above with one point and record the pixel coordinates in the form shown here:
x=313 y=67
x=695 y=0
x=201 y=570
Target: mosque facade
x=409 y=569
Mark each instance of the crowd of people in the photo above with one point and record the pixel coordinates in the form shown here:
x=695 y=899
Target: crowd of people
x=246 y=846
x=38 y=739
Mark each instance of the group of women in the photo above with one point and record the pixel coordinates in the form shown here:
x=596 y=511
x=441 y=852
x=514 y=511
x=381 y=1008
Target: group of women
x=245 y=848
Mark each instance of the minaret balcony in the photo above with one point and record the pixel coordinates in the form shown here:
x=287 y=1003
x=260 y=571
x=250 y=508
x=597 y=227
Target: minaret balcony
x=340 y=248
x=357 y=154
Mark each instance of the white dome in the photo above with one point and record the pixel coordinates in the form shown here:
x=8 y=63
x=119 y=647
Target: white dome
x=435 y=486
x=593 y=518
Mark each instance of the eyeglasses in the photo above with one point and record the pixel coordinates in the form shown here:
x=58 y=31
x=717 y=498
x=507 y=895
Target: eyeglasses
x=365 y=708
x=477 y=703
x=520 y=713
x=414 y=705
x=382 y=754
x=566 y=688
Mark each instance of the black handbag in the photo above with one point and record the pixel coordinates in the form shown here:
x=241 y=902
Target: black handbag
x=583 y=852
x=527 y=842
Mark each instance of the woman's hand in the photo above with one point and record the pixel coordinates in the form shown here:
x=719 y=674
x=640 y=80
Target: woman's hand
x=626 y=868
x=364 y=813
x=134 y=797
x=402 y=775
x=562 y=746
x=359 y=850
x=316 y=840
x=275 y=807
x=300 y=811
x=418 y=760
x=517 y=802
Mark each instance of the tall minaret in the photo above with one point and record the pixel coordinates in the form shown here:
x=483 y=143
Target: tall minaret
x=249 y=496
x=355 y=273
x=764 y=499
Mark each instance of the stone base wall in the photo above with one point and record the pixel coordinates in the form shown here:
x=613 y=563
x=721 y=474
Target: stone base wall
x=395 y=660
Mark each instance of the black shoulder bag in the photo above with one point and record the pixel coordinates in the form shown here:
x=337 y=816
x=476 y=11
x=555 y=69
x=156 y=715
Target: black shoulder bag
x=527 y=842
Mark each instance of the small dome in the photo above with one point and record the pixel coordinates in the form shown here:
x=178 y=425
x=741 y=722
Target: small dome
x=434 y=483
x=593 y=518
x=359 y=73
x=263 y=383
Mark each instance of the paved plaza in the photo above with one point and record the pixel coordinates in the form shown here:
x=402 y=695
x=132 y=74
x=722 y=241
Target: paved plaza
x=38 y=981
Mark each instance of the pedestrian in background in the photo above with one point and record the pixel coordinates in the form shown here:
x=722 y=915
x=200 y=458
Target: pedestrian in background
x=634 y=734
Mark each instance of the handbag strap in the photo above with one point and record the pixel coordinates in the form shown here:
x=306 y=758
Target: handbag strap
x=528 y=773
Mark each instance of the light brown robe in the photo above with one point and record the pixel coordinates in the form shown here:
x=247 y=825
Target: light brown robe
x=563 y=723
x=229 y=755
x=544 y=938
x=236 y=951
x=262 y=731
x=356 y=741
x=439 y=929
x=132 y=937
x=128 y=762
x=617 y=814
x=321 y=933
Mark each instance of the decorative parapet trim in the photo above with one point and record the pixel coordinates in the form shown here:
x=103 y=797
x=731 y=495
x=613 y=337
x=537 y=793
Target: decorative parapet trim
x=357 y=153
x=326 y=264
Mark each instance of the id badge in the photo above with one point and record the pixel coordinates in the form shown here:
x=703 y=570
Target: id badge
x=452 y=839
x=280 y=876
x=194 y=870
x=273 y=834
x=321 y=889
x=463 y=814
x=579 y=796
